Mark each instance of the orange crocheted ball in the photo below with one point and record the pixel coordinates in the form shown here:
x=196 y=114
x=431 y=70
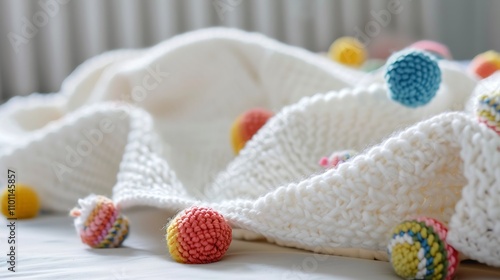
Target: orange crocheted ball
x=246 y=125
x=485 y=64
x=198 y=235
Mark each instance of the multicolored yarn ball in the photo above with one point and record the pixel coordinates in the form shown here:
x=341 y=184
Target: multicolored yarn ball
x=337 y=158
x=439 y=50
x=20 y=201
x=348 y=51
x=485 y=64
x=413 y=77
x=418 y=250
x=488 y=110
x=198 y=235
x=246 y=125
x=99 y=222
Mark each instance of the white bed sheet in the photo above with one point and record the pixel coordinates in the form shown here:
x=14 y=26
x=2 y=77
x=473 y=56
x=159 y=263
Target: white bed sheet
x=48 y=248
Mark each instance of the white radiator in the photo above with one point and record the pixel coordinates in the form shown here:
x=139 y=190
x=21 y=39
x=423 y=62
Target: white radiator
x=42 y=41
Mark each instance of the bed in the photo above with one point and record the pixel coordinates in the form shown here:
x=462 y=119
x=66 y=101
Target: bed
x=48 y=249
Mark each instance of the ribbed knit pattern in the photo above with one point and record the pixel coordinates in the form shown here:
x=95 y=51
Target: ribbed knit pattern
x=174 y=152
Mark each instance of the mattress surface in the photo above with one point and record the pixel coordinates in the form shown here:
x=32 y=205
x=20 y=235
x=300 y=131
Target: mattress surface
x=48 y=248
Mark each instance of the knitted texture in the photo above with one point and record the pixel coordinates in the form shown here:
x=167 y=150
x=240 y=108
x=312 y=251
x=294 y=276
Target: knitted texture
x=475 y=227
x=99 y=222
x=19 y=202
x=418 y=250
x=198 y=235
x=246 y=125
x=336 y=158
x=413 y=77
x=174 y=152
x=436 y=48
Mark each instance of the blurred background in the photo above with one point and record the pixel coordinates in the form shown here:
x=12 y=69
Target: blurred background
x=42 y=41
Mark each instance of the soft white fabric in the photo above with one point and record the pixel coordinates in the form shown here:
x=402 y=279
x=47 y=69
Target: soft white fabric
x=172 y=152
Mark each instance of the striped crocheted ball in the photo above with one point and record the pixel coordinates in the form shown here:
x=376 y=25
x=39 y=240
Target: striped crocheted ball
x=485 y=64
x=348 y=51
x=413 y=77
x=337 y=158
x=488 y=110
x=246 y=125
x=198 y=235
x=99 y=222
x=439 y=50
x=418 y=250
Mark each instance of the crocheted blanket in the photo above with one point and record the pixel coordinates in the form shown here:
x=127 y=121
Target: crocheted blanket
x=151 y=128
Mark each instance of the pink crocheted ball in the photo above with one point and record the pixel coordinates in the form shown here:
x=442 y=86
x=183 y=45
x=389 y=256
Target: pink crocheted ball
x=99 y=222
x=336 y=158
x=436 y=48
x=198 y=235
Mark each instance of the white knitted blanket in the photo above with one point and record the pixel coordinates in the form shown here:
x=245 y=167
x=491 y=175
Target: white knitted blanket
x=166 y=145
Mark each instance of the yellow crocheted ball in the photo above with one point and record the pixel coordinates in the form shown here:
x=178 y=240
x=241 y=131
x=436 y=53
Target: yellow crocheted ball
x=348 y=51
x=20 y=202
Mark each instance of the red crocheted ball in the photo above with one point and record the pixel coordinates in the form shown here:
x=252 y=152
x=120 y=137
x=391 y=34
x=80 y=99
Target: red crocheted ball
x=247 y=125
x=198 y=235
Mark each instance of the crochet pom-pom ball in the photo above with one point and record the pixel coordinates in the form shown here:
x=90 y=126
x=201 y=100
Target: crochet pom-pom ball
x=413 y=77
x=20 y=202
x=485 y=64
x=438 y=49
x=418 y=250
x=99 y=222
x=246 y=125
x=348 y=51
x=488 y=110
x=336 y=158
x=198 y=235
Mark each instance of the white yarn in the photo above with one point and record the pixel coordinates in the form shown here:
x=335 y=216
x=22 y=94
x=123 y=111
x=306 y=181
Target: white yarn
x=171 y=150
x=86 y=206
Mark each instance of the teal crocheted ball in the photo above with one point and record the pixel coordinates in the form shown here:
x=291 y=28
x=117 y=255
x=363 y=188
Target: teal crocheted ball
x=413 y=77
